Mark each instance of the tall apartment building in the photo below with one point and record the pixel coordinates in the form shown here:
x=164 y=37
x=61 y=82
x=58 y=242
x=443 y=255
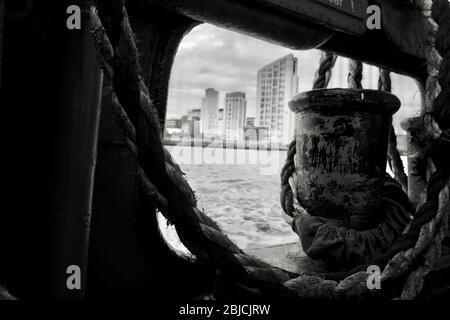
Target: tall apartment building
x=234 y=115
x=276 y=84
x=210 y=107
x=220 y=124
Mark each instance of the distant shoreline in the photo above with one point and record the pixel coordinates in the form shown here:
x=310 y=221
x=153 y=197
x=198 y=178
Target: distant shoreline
x=234 y=145
x=247 y=145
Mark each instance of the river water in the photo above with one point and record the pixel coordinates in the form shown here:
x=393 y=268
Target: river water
x=240 y=190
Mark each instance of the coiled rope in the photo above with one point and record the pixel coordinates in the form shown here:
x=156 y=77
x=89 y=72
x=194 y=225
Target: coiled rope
x=165 y=186
x=162 y=182
x=329 y=240
x=355 y=74
x=394 y=159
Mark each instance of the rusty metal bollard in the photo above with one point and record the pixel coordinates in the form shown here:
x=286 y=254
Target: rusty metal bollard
x=342 y=137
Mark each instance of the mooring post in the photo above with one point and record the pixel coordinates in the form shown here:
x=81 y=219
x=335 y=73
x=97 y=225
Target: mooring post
x=79 y=101
x=342 y=141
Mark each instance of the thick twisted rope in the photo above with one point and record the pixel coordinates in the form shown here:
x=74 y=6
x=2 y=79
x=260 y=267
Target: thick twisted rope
x=323 y=74
x=416 y=241
x=432 y=86
x=441 y=106
x=394 y=159
x=384 y=83
x=197 y=231
x=288 y=194
x=422 y=240
x=438 y=45
x=355 y=74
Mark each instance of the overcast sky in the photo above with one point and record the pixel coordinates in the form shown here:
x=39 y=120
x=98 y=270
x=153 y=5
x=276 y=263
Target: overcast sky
x=228 y=61
x=225 y=60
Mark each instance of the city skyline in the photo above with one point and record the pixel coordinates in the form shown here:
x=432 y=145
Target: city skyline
x=228 y=61
x=277 y=83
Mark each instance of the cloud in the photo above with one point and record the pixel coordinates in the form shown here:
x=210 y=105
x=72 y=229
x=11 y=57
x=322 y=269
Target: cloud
x=228 y=61
x=214 y=57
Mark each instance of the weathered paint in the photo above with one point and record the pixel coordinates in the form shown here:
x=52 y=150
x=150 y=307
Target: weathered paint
x=341 y=152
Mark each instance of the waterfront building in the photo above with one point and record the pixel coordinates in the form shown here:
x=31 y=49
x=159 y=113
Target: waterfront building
x=277 y=83
x=234 y=115
x=209 y=110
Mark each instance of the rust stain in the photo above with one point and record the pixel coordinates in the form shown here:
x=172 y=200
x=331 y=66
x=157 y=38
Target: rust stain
x=332 y=180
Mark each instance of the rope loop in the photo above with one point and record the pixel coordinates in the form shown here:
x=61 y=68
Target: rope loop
x=167 y=188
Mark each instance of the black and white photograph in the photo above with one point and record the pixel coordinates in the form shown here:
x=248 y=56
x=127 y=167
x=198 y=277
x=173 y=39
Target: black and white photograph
x=225 y=158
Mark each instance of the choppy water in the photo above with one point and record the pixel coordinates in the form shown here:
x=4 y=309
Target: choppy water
x=240 y=190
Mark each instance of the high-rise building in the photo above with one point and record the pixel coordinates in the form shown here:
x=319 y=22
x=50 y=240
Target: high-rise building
x=190 y=123
x=276 y=84
x=234 y=115
x=220 y=124
x=210 y=107
x=194 y=113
